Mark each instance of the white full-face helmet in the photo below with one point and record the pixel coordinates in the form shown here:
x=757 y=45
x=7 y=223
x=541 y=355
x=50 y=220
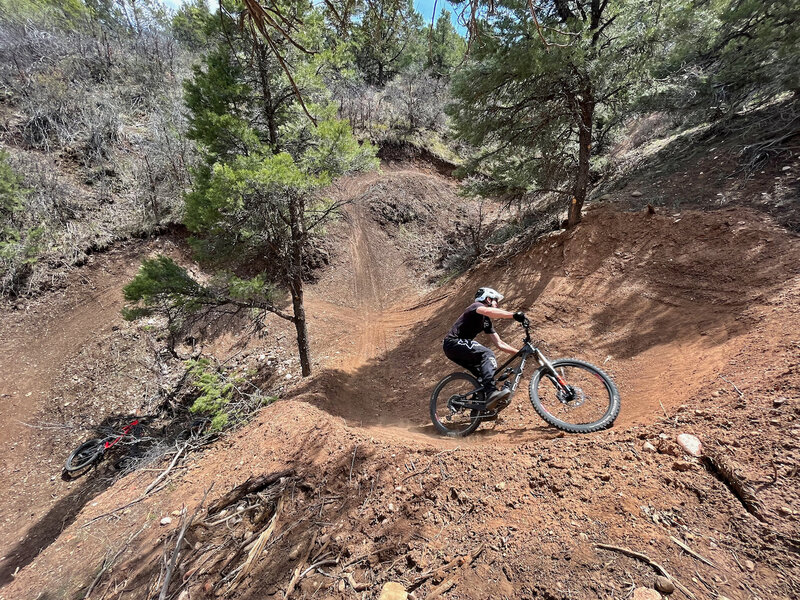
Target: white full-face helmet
x=486 y=293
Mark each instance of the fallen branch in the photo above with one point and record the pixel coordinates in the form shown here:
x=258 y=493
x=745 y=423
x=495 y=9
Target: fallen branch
x=251 y=486
x=727 y=473
x=415 y=473
x=650 y=562
x=449 y=582
x=257 y=548
x=692 y=552
x=297 y=572
x=174 y=558
x=108 y=563
x=456 y=562
x=158 y=479
x=123 y=507
x=738 y=391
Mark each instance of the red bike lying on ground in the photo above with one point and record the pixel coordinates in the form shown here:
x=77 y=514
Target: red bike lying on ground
x=92 y=451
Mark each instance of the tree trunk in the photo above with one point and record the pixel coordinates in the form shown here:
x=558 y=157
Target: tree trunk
x=586 y=106
x=303 y=348
x=296 y=210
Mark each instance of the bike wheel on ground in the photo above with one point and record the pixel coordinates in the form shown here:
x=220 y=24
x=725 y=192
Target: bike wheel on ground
x=591 y=404
x=84 y=455
x=447 y=414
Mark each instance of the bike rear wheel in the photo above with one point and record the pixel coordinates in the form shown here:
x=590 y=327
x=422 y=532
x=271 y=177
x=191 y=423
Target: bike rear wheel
x=590 y=404
x=448 y=417
x=84 y=455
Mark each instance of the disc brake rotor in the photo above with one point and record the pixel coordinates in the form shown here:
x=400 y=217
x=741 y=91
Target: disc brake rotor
x=574 y=398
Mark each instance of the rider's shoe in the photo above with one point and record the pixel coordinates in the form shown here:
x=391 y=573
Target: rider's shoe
x=495 y=396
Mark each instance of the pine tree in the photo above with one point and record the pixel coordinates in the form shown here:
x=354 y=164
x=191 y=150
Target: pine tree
x=257 y=196
x=530 y=96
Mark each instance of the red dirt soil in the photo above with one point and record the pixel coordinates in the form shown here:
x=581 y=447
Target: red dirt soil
x=695 y=315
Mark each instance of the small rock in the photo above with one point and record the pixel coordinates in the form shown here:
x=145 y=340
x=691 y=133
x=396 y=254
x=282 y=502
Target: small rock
x=605 y=477
x=715 y=393
x=682 y=465
x=749 y=565
x=778 y=402
x=636 y=194
x=393 y=591
x=176 y=513
x=690 y=444
x=644 y=593
x=342 y=586
x=774 y=422
x=664 y=585
x=166 y=521
x=648 y=447
x=500 y=486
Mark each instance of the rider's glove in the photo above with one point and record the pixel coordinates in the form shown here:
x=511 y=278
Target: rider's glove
x=519 y=317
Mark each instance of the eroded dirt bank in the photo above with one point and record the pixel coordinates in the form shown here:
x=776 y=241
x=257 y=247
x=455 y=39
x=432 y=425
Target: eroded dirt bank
x=678 y=308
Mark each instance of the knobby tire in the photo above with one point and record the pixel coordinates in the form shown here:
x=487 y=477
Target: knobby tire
x=85 y=455
x=453 y=383
x=606 y=400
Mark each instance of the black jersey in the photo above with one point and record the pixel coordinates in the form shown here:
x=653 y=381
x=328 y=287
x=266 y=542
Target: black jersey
x=470 y=324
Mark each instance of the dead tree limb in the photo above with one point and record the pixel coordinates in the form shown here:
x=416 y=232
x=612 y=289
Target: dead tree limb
x=299 y=569
x=651 y=562
x=456 y=562
x=251 y=486
x=174 y=558
x=740 y=488
x=158 y=479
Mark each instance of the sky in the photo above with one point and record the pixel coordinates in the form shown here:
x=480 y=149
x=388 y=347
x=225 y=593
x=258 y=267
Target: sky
x=424 y=7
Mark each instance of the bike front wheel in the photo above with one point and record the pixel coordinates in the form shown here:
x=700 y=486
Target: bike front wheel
x=448 y=416
x=84 y=455
x=588 y=402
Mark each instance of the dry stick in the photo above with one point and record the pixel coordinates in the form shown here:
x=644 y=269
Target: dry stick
x=158 y=479
x=650 y=562
x=415 y=473
x=257 y=548
x=692 y=552
x=174 y=558
x=448 y=583
x=107 y=564
x=738 y=391
x=296 y=576
x=461 y=560
x=251 y=486
x=740 y=488
x=119 y=508
x=352 y=462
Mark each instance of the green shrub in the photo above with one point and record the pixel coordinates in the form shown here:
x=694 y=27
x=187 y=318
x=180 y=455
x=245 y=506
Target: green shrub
x=216 y=392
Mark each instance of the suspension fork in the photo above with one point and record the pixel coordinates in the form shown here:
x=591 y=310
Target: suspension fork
x=542 y=359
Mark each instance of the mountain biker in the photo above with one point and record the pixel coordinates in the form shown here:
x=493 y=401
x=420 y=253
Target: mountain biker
x=460 y=347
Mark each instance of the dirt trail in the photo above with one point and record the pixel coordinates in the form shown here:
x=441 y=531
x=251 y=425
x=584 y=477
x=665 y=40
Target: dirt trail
x=667 y=304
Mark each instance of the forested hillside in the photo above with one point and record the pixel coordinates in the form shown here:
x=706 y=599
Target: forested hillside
x=253 y=221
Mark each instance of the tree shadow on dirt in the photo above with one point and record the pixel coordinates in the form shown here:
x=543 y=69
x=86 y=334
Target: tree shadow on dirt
x=126 y=456
x=47 y=529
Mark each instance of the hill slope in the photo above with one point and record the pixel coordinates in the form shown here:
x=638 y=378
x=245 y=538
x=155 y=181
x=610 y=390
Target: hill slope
x=679 y=308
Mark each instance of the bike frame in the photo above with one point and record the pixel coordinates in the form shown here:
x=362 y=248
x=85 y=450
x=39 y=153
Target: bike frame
x=125 y=431
x=528 y=350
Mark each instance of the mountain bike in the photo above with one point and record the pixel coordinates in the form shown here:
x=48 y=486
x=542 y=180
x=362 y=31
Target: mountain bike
x=92 y=451
x=570 y=394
